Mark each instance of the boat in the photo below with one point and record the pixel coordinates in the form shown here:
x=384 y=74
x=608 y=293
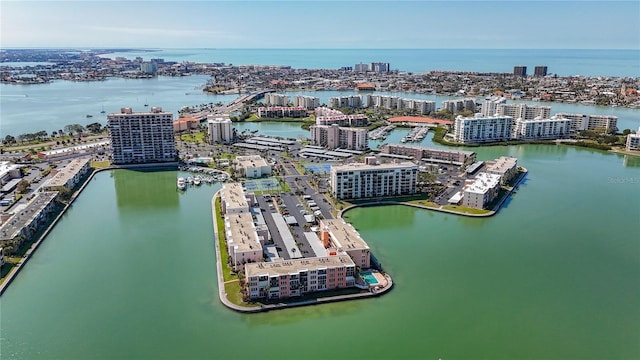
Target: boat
x=197 y=181
x=102 y=112
x=181 y=183
x=89 y=116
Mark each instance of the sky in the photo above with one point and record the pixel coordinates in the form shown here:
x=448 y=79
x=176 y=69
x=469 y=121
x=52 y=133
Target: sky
x=512 y=24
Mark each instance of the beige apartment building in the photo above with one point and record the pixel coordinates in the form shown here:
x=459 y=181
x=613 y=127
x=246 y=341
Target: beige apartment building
x=69 y=176
x=456 y=157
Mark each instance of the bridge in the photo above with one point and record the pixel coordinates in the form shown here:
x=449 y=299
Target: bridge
x=233 y=106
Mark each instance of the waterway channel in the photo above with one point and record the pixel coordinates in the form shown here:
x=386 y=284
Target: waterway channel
x=129 y=272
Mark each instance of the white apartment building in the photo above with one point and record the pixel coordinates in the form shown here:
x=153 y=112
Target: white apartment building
x=220 y=129
x=421 y=107
x=351 y=101
x=334 y=136
x=580 y=122
x=307 y=102
x=480 y=129
x=356 y=181
x=252 y=166
x=361 y=67
x=481 y=191
x=523 y=111
x=233 y=199
x=242 y=239
x=243 y=242
x=459 y=105
x=490 y=106
x=543 y=128
x=633 y=141
x=273 y=99
x=142 y=137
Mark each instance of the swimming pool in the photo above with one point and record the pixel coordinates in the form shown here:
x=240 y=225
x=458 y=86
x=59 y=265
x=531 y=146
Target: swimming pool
x=369 y=277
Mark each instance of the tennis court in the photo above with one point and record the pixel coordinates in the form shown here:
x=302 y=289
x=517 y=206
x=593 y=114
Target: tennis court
x=318 y=168
x=257 y=185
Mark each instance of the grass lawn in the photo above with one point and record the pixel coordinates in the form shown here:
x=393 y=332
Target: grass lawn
x=424 y=203
x=100 y=164
x=464 y=209
x=226 y=271
x=193 y=138
x=235 y=295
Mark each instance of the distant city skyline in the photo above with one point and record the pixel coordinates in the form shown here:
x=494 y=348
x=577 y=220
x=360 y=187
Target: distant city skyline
x=322 y=24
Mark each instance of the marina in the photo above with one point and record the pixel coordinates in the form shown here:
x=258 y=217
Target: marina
x=417 y=134
x=203 y=176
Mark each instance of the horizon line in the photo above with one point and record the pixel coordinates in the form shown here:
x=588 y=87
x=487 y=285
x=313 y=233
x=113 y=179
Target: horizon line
x=279 y=48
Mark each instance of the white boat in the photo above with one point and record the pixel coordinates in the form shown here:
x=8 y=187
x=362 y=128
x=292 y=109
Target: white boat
x=181 y=184
x=197 y=181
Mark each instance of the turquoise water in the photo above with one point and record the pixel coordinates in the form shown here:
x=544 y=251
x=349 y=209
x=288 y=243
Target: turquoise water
x=565 y=62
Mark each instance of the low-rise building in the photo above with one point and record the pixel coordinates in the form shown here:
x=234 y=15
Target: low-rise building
x=326 y=116
x=456 y=157
x=252 y=166
x=633 y=141
x=288 y=278
x=482 y=191
x=243 y=242
x=185 y=124
x=233 y=199
x=354 y=181
x=24 y=222
x=338 y=236
x=9 y=171
x=69 y=176
x=505 y=167
x=281 y=112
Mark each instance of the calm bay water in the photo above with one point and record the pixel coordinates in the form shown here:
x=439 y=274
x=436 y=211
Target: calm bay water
x=129 y=272
x=561 y=62
x=49 y=107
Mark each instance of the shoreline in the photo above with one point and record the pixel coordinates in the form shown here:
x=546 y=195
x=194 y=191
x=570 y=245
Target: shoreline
x=13 y=273
x=15 y=270
x=490 y=213
x=222 y=294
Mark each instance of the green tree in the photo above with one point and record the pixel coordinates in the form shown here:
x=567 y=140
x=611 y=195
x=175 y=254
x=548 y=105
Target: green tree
x=23 y=186
x=9 y=140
